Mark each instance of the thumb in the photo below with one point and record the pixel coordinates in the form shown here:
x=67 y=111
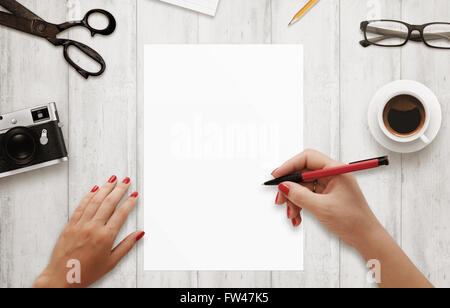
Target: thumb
x=125 y=246
x=301 y=196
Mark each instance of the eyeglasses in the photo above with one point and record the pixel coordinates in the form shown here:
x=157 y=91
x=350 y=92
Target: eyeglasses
x=394 y=33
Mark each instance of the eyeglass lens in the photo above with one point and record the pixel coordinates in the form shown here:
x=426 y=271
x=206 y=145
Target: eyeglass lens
x=437 y=35
x=387 y=33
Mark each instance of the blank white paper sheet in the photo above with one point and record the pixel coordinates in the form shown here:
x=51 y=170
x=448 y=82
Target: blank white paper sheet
x=218 y=120
x=208 y=7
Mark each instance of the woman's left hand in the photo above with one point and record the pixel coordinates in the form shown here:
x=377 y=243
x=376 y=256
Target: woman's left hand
x=84 y=252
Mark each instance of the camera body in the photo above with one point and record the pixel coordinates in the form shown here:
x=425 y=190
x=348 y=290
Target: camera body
x=31 y=139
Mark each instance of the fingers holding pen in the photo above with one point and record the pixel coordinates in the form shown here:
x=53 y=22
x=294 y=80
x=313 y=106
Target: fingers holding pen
x=308 y=160
x=282 y=199
x=304 y=195
x=301 y=196
x=297 y=221
x=292 y=210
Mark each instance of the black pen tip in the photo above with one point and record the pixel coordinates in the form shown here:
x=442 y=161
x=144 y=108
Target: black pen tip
x=270 y=183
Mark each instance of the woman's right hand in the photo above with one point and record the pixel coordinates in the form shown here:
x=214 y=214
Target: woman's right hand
x=338 y=202
x=340 y=206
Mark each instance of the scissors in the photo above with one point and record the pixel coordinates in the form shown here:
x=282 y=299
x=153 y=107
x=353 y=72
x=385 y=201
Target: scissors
x=24 y=20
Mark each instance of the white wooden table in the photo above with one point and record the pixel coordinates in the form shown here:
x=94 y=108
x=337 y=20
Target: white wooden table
x=103 y=126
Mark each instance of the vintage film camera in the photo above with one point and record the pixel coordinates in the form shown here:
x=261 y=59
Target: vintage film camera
x=30 y=139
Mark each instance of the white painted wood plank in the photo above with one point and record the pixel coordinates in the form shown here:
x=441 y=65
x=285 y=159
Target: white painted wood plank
x=236 y=22
x=318 y=31
x=162 y=23
x=426 y=197
x=33 y=206
x=363 y=72
x=103 y=119
x=159 y=23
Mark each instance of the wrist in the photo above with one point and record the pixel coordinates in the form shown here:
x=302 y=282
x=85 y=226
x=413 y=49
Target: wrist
x=41 y=282
x=370 y=245
x=48 y=280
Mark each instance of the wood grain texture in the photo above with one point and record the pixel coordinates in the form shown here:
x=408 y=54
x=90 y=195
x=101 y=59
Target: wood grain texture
x=103 y=129
x=237 y=22
x=33 y=206
x=321 y=97
x=363 y=72
x=425 y=193
x=102 y=119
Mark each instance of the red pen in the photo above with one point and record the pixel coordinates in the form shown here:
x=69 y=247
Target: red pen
x=311 y=176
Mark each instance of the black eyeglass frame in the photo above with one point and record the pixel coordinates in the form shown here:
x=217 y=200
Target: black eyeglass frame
x=411 y=37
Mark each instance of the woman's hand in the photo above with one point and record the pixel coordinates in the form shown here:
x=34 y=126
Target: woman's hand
x=88 y=239
x=340 y=206
x=338 y=202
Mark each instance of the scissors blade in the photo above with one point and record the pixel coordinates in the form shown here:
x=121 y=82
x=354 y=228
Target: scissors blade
x=18 y=9
x=21 y=24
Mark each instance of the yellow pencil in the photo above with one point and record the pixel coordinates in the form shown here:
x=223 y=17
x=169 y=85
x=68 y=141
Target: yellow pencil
x=303 y=11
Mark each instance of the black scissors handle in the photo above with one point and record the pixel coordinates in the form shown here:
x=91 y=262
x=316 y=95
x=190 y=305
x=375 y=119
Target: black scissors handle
x=88 y=51
x=110 y=28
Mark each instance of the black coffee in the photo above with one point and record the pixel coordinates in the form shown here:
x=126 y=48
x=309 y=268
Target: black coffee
x=404 y=115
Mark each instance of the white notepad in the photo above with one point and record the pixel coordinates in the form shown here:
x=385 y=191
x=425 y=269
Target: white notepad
x=208 y=7
x=218 y=120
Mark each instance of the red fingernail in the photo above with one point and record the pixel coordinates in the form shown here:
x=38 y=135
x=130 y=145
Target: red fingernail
x=294 y=222
x=284 y=189
x=112 y=179
x=126 y=181
x=274 y=171
x=94 y=189
x=134 y=195
x=140 y=236
x=288 y=211
x=276 y=199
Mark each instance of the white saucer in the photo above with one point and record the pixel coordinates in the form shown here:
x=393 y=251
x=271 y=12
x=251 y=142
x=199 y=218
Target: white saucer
x=398 y=88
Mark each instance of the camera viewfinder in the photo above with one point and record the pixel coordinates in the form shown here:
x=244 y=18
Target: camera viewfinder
x=41 y=114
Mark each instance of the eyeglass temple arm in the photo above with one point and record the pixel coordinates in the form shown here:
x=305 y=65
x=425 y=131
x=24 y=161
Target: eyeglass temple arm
x=392 y=33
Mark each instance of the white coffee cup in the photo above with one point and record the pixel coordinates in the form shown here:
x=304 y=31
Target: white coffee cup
x=392 y=139
x=419 y=134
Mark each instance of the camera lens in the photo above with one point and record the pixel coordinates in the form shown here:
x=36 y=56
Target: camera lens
x=19 y=145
